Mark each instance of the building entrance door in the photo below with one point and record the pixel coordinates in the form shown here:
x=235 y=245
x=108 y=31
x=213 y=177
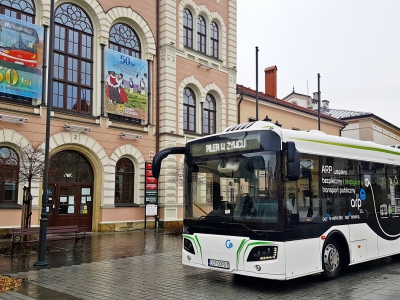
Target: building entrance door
x=70 y=192
x=70 y=204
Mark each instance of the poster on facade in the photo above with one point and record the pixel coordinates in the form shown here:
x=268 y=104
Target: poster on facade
x=126 y=85
x=21 y=57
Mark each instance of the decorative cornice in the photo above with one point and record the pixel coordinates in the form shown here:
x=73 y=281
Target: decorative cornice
x=74 y=118
x=130 y=127
x=13 y=107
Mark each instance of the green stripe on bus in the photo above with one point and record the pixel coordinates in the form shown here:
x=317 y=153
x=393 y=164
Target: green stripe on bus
x=195 y=242
x=238 y=251
x=253 y=244
x=350 y=146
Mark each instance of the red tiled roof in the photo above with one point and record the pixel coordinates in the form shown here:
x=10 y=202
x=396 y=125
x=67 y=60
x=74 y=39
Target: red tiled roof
x=269 y=98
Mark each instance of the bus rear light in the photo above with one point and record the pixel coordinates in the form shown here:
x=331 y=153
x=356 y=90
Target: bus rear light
x=262 y=253
x=188 y=246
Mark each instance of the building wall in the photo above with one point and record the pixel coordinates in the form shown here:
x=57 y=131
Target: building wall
x=372 y=129
x=289 y=118
x=103 y=146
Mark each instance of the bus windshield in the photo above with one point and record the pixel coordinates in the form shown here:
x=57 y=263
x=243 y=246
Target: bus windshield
x=242 y=188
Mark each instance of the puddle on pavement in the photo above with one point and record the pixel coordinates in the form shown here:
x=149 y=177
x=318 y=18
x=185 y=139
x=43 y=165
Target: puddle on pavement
x=38 y=292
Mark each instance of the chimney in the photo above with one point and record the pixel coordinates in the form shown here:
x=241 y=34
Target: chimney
x=315 y=101
x=270 y=81
x=325 y=104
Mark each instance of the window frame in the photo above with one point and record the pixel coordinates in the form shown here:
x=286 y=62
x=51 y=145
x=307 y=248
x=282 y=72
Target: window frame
x=201 y=35
x=214 y=39
x=209 y=112
x=14 y=169
x=67 y=92
x=130 y=175
x=189 y=109
x=122 y=45
x=187 y=28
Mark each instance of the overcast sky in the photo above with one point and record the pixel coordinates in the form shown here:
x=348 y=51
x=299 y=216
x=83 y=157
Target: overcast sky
x=353 y=44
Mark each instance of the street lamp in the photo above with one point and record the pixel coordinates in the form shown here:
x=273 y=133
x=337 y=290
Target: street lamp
x=43 y=217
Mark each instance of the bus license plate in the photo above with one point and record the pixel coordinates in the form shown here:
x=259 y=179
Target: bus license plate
x=218 y=263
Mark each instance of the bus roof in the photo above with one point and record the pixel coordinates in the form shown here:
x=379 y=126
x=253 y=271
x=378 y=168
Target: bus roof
x=318 y=143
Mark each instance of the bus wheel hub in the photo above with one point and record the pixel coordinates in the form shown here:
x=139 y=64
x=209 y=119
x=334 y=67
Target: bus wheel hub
x=331 y=257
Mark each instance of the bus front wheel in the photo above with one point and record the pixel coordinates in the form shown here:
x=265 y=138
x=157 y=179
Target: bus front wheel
x=331 y=260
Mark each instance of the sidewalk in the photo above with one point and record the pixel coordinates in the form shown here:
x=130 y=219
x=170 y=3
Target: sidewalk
x=98 y=247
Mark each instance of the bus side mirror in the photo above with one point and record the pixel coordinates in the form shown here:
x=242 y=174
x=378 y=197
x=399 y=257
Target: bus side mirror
x=293 y=162
x=291 y=151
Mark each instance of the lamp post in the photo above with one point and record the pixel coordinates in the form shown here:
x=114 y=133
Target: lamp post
x=319 y=104
x=43 y=217
x=256 y=83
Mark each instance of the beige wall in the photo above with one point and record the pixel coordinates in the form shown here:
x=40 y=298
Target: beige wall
x=372 y=129
x=288 y=117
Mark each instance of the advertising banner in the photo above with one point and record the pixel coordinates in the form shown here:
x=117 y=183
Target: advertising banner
x=21 y=57
x=126 y=85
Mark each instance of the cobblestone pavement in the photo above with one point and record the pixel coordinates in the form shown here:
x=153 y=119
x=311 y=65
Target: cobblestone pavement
x=121 y=272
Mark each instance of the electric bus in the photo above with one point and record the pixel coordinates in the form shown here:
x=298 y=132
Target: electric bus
x=274 y=203
x=18 y=43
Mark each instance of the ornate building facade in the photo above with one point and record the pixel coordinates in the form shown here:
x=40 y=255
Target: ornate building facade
x=102 y=137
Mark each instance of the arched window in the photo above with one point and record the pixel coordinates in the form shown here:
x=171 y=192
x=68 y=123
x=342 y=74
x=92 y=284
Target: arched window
x=187 y=28
x=22 y=10
x=201 y=34
x=214 y=33
x=9 y=176
x=70 y=166
x=73 y=60
x=19 y=9
x=124 y=181
x=189 y=110
x=125 y=40
x=209 y=115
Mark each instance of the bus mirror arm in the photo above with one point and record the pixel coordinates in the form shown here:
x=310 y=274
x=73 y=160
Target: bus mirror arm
x=158 y=158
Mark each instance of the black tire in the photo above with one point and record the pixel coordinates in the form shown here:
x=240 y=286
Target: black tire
x=332 y=259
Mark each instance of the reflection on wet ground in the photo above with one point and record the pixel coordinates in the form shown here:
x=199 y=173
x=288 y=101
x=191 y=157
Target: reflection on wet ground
x=97 y=247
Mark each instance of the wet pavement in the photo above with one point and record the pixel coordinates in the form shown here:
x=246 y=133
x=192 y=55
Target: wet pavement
x=147 y=265
x=96 y=247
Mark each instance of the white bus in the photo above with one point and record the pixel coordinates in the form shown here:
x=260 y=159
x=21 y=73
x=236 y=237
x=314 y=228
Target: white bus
x=273 y=203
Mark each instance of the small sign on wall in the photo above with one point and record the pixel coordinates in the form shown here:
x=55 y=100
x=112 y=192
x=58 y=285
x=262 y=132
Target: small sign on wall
x=151 y=210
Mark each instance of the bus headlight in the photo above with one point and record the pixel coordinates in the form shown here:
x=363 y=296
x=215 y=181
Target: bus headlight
x=261 y=253
x=188 y=246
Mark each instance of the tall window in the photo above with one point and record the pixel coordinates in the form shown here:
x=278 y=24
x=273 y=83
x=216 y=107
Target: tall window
x=73 y=60
x=19 y=9
x=214 y=33
x=209 y=115
x=187 y=28
x=125 y=40
x=9 y=174
x=124 y=181
x=22 y=10
x=189 y=110
x=201 y=34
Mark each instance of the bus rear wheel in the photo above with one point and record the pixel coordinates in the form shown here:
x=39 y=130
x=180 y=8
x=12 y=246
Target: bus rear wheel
x=331 y=260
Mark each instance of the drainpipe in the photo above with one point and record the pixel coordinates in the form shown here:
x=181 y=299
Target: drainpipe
x=149 y=107
x=340 y=130
x=240 y=101
x=102 y=79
